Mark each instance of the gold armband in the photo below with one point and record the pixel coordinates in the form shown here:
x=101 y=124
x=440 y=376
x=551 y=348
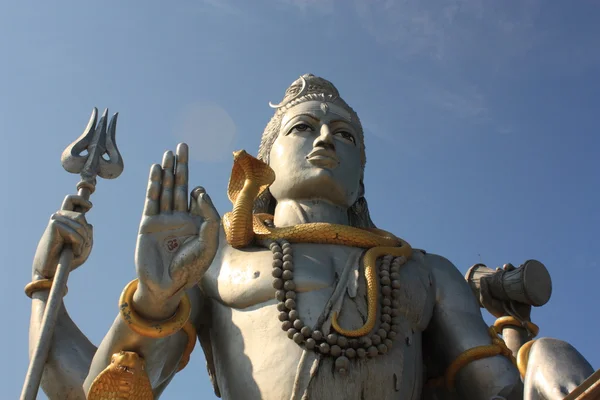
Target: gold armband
x=40 y=284
x=152 y=329
x=523 y=354
x=512 y=321
x=498 y=347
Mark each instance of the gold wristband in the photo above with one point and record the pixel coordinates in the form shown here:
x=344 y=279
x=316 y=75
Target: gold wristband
x=152 y=329
x=511 y=321
x=40 y=284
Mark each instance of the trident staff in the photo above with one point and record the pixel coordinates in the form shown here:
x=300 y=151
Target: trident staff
x=97 y=141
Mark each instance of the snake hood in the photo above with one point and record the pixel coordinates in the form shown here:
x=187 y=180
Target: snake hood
x=124 y=378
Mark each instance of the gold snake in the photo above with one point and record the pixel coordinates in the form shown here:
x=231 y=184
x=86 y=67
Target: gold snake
x=124 y=378
x=250 y=177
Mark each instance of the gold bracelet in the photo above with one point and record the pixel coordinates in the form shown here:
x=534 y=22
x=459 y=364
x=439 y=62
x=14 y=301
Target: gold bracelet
x=512 y=321
x=40 y=284
x=190 y=330
x=498 y=347
x=152 y=329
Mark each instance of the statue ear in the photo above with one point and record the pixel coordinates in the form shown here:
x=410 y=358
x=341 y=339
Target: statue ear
x=361 y=189
x=358 y=214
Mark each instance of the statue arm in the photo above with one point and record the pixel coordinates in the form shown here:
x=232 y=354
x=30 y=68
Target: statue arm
x=70 y=354
x=457 y=326
x=162 y=356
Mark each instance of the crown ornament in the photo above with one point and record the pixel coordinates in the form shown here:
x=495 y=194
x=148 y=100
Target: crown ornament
x=308 y=84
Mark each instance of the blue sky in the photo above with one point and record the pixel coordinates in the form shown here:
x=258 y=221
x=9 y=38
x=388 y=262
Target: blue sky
x=482 y=142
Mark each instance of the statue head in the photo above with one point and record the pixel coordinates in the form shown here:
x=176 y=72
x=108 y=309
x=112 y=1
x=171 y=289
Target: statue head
x=315 y=144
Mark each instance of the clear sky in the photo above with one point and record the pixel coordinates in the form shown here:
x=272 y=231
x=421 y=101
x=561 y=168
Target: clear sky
x=482 y=140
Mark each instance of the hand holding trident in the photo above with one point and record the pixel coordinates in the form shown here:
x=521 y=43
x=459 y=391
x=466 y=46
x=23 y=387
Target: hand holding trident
x=102 y=159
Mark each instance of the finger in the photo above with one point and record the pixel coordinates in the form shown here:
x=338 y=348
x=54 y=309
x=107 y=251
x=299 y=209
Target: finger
x=151 y=206
x=73 y=200
x=166 y=194
x=202 y=205
x=181 y=178
x=79 y=224
x=72 y=223
x=194 y=196
x=70 y=235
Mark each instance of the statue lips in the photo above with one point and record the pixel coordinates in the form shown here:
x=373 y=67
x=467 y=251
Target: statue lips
x=323 y=158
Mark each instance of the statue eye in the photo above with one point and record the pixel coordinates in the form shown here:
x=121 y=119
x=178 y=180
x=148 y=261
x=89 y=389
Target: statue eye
x=302 y=128
x=347 y=135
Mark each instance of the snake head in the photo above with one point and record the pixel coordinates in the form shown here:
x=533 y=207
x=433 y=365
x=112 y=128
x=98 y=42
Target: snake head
x=128 y=361
x=248 y=168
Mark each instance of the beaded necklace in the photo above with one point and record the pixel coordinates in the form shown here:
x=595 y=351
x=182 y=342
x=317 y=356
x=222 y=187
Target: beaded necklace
x=340 y=347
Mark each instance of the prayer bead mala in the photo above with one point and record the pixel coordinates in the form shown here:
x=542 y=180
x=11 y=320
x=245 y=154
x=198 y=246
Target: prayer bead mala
x=343 y=349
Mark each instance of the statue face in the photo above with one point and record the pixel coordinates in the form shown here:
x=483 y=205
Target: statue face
x=316 y=155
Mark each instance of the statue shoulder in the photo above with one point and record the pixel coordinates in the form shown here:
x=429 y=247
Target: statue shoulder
x=450 y=284
x=437 y=263
x=438 y=268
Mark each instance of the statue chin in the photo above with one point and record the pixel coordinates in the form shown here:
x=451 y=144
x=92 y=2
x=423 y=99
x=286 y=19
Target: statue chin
x=316 y=185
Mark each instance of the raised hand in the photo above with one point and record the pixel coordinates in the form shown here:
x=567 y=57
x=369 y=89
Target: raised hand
x=177 y=242
x=67 y=226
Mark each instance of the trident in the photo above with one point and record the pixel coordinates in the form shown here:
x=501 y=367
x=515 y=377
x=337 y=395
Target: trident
x=102 y=159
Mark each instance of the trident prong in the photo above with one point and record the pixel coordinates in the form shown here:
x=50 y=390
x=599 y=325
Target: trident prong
x=98 y=141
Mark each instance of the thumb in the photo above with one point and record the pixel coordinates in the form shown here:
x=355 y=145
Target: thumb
x=201 y=205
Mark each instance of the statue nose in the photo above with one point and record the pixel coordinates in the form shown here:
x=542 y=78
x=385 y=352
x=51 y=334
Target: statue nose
x=325 y=138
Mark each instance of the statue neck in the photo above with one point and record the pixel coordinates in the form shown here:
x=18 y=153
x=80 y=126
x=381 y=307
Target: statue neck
x=294 y=212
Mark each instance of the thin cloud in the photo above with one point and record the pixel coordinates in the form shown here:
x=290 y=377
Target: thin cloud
x=321 y=6
x=222 y=6
x=460 y=46
x=440 y=35
x=498 y=37
x=455 y=31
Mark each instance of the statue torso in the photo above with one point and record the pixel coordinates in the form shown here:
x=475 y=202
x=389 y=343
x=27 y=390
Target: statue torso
x=254 y=358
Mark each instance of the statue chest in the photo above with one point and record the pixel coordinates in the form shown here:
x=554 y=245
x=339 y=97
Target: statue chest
x=251 y=351
x=244 y=278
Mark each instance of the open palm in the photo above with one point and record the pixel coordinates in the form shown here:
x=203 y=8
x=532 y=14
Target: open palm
x=177 y=241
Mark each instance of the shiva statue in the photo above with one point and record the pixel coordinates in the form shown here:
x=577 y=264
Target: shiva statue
x=294 y=294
